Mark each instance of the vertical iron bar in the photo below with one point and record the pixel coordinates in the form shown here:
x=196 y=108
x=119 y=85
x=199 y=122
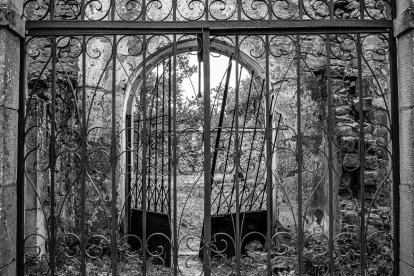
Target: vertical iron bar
x=113 y=162
x=237 y=161
x=112 y=7
x=361 y=155
x=149 y=131
x=175 y=158
x=270 y=7
x=144 y=155
x=239 y=10
x=199 y=81
x=52 y=9
x=144 y=10
x=52 y=157
x=156 y=142
x=268 y=141
x=137 y=139
x=83 y=161
x=331 y=10
x=330 y=137
x=300 y=156
x=21 y=164
x=225 y=168
x=395 y=132
x=262 y=148
x=128 y=179
x=163 y=140
x=362 y=9
x=221 y=118
x=174 y=7
x=82 y=3
x=206 y=10
x=395 y=150
x=170 y=160
x=300 y=9
x=207 y=160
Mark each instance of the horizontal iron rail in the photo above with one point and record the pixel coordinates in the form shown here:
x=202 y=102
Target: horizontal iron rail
x=73 y=28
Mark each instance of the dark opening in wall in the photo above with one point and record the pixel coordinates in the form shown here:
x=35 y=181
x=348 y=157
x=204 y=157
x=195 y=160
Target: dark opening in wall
x=319 y=216
x=349 y=185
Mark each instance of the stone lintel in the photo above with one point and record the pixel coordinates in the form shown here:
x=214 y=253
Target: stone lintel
x=11 y=20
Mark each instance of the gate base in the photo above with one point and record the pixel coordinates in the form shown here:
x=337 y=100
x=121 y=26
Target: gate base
x=253 y=227
x=158 y=245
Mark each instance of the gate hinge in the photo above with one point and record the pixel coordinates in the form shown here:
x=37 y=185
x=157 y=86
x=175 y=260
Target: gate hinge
x=9 y=19
x=404 y=22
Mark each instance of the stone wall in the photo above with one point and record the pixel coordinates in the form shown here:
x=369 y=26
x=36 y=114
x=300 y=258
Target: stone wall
x=10 y=27
x=346 y=166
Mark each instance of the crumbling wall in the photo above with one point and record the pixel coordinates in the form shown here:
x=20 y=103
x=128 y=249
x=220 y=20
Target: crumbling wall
x=344 y=85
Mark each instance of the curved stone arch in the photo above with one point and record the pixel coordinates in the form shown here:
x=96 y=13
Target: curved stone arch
x=189 y=45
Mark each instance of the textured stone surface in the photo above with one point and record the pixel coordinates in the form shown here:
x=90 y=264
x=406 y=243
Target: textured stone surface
x=8 y=173
x=9 y=91
x=17 y=4
x=10 y=16
x=7 y=228
x=406 y=113
x=406 y=269
x=9 y=68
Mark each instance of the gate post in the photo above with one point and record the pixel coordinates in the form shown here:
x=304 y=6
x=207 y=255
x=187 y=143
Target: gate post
x=12 y=29
x=404 y=31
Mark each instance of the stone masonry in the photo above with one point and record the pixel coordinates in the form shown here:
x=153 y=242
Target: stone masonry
x=10 y=27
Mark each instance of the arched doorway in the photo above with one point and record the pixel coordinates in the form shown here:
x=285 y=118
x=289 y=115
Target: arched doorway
x=189 y=146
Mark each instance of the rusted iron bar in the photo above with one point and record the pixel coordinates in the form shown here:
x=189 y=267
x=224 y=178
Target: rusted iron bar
x=207 y=154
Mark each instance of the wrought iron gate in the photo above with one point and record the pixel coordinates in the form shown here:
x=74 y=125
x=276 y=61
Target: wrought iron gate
x=209 y=137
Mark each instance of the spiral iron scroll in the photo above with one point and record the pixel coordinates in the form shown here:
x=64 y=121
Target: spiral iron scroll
x=201 y=10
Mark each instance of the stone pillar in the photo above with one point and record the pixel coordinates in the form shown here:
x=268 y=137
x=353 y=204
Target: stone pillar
x=11 y=29
x=404 y=31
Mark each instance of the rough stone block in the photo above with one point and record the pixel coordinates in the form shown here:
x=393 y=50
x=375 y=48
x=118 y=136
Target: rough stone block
x=368 y=128
x=8 y=146
x=349 y=143
x=342 y=110
x=9 y=69
x=341 y=99
x=371 y=162
x=366 y=103
x=7 y=229
x=345 y=119
x=350 y=217
x=346 y=130
x=381 y=132
x=371 y=177
x=10 y=16
x=17 y=4
x=8 y=174
x=351 y=160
